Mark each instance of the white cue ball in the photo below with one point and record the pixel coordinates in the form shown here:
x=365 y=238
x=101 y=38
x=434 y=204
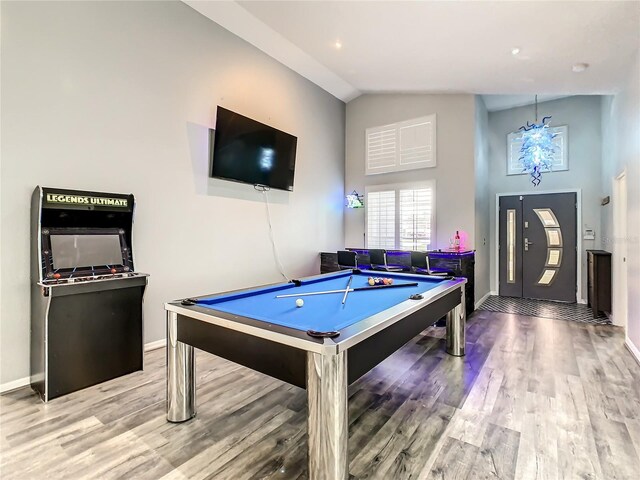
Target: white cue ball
x=299 y=302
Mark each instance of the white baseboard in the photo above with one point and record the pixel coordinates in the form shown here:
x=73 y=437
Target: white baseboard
x=155 y=345
x=19 y=383
x=612 y=317
x=632 y=348
x=487 y=295
x=23 y=382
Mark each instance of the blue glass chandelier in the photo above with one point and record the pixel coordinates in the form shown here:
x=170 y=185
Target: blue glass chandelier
x=538 y=148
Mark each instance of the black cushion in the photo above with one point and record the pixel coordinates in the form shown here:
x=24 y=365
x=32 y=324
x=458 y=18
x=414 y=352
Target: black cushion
x=419 y=260
x=347 y=258
x=376 y=257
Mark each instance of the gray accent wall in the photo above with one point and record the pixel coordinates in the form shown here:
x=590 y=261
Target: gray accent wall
x=454 y=173
x=583 y=116
x=119 y=97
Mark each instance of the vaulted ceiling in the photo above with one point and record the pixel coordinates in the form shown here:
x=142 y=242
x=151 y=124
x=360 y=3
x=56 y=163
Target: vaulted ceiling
x=349 y=48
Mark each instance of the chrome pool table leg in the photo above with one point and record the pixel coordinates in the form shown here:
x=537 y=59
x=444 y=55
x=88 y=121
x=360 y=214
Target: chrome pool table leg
x=327 y=419
x=456 y=326
x=181 y=382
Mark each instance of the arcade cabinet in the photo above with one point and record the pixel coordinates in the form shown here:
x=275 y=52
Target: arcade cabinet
x=86 y=297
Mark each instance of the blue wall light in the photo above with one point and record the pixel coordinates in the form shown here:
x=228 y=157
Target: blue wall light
x=538 y=148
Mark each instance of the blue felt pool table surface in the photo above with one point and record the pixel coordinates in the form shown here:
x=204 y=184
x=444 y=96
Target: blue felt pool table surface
x=322 y=313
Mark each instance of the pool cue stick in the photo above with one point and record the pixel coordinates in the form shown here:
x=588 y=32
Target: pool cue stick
x=375 y=287
x=346 y=292
x=310 y=293
x=393 y=285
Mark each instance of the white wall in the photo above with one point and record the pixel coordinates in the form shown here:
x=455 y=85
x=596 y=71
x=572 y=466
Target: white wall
x=621 y=152
x=118 y=97
x=454 y=173
x=583 y=116
x=482 y=200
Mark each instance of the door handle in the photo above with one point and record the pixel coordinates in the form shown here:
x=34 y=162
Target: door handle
x=526 y=244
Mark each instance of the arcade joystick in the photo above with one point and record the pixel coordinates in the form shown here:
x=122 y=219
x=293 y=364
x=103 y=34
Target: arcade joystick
x=56 y=276
x=114 y=271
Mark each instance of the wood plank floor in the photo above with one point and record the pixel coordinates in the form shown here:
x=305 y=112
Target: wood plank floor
x=533 y=399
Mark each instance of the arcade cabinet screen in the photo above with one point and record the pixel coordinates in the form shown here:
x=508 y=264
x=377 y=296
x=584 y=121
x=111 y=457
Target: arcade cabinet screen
x=70 y=251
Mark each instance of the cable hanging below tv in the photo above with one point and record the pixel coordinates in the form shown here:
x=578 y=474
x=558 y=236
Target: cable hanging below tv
x=247 y=151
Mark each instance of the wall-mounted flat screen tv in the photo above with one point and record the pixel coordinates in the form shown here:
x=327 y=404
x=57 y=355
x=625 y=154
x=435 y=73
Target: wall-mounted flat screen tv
x=251 y=152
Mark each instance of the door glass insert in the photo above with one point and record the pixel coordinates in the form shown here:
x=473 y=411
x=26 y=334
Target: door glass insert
x=554 y=244
x=547 y=277
x=547 y=217
x=554 y=257
x=554 y=237
x=511 y=246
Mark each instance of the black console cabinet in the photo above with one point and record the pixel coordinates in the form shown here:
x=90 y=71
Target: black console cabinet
x=461 y=264
x=599 y=281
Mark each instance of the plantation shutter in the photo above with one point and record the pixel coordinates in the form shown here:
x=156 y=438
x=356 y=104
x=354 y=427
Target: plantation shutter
x=401 y=216
x=416 y=218
x=381 y=219
x=417 y=141
x=381 y=149
x=401 y=146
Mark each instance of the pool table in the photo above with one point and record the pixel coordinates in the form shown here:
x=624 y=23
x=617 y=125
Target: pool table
x=254 y=328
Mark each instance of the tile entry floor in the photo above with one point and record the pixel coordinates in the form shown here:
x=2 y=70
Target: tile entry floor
x=575 y=312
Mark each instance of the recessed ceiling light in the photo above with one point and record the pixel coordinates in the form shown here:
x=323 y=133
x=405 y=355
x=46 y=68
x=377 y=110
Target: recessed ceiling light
x=579 y=67
x=338 y=44
x=515 y=51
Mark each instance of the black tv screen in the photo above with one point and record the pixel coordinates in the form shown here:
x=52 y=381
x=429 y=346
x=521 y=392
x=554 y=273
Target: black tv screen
x=251 y=152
